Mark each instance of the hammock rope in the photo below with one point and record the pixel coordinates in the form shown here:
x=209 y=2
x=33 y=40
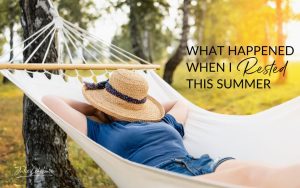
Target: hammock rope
x=75 y=43
x=103 y=46
x=39 y=46
x=48 y=48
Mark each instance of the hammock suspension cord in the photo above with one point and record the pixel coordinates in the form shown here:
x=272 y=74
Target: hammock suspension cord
x=75 y=44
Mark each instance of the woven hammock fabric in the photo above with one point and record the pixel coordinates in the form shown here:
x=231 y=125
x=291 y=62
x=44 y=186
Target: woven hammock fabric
x=270 y=137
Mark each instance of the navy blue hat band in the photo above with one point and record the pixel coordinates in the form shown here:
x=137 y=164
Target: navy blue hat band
x=106 y=85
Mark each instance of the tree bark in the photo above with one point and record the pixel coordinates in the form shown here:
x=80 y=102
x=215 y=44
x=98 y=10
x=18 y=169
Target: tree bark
x=178 y=56
x=11 y=37
x=149 y=47
x=45 y=142
x=266 y=41
x=135 y=33
x=202 y=16
x=280 y=38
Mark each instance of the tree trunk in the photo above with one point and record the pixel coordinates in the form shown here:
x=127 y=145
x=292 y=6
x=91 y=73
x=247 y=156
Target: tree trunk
x=178 y=56
x=280 y=38
x=203 y=8
x=149 y=47
x=45 y=143
x=135 y=33
x=11 y=38
x=266 y=41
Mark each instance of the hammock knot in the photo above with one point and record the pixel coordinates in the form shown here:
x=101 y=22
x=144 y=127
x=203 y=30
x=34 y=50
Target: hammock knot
x=59 y=24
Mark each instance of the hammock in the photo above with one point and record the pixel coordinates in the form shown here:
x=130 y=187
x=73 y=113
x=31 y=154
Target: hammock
x=270 y=137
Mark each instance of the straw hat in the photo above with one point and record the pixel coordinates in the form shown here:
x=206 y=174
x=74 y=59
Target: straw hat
x=125 y=97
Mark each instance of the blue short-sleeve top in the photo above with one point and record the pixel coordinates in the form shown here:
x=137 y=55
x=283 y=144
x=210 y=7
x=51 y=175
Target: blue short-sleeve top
x=148 y=143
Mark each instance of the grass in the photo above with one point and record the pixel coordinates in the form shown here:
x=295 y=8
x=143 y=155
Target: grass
x=232 y=101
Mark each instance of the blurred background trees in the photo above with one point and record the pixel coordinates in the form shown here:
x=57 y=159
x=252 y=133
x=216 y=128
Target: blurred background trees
x=179 y=53
x=144 y=35
x=218 y=22
x=202 y=22
x=10 y=14
x=205 y=23
x=82 y=12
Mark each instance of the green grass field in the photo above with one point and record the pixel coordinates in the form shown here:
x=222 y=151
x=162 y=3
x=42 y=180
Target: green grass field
x=232 y=101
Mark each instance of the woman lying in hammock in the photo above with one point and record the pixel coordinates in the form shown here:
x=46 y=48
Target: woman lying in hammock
x=123 y=118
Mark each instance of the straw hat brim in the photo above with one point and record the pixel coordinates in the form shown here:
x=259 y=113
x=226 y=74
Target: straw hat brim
x=151 y=111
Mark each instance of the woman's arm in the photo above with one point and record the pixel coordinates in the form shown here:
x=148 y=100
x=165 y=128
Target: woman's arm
x=178 y=109
x=73 y=112
x=71 y=115
x=81 y=107
x=87 y=110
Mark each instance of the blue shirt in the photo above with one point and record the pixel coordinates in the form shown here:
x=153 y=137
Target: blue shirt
x=148 y=143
